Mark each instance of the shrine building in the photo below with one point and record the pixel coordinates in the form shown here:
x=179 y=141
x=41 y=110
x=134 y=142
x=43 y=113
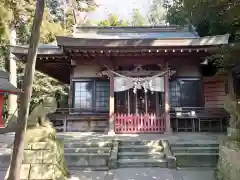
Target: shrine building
x=135 y=79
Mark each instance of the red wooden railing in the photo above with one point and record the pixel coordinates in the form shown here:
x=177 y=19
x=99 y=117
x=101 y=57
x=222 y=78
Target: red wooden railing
x=144 y=123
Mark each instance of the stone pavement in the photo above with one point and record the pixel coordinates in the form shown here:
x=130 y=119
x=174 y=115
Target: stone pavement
x=147 y=174
x=141 y=174
x=90 y=136
x=131 y=173
x=144 y=174
x=197 y=174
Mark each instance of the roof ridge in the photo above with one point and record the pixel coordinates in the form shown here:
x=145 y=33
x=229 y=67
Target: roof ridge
x=118 y=29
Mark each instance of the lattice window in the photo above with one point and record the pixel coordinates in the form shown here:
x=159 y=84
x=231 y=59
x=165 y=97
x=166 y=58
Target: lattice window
x=174 y=94
x=102 y=95
x=185 y=93
x=83 y=93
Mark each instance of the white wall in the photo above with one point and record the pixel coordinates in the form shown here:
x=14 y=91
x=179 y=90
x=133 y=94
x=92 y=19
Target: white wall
x=86 y=71
x=188 y=71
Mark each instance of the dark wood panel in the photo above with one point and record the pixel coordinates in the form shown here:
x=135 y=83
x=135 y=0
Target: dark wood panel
x=217 y=91
x=207 y=94
x=216 y=85
x=214 y=91
x=215 y=98
x=215 y=79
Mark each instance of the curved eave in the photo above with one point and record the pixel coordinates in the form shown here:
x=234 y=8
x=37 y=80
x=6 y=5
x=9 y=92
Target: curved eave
x=127 y=43
x=11 y=92
x=51 y=60
x=7 y=87
x=54 y=50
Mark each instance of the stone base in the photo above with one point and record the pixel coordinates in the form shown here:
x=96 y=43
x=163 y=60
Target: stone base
x=111 y=133
x=168 y=131
x=233 y=133
x=43 y=156
x=228 y=164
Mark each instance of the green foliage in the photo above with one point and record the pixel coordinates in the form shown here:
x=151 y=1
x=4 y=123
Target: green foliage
x=85 y=5
x=231 y=105
x=209 y=17
x=113 y=20
x=212 y=17
x=156 y=14
x=12 y=14
x=227 y=56
x=137 y=18
x=56 y=10
x=175 y=13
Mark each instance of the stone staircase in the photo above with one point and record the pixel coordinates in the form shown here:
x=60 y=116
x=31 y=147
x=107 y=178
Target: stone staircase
x=87 y=155
x=108 y=154
x=92 y=155
x=141 y=154
x=195 y=154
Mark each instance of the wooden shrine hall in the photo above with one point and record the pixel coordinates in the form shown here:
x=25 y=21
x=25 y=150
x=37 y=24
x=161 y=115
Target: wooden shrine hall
x=135 y=79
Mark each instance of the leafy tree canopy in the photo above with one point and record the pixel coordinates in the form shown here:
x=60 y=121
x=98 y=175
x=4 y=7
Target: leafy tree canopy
x=210 y=17
x=156 y=14
x=113 y=20
x=137 y=18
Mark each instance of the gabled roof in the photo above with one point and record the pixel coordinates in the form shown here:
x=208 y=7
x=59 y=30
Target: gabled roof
x=125 y=43
x=43 y=49
x=144 y=32
x=119 y=41
x=145 y=36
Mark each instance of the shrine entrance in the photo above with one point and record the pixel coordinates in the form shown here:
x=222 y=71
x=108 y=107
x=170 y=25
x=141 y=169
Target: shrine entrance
x=128 y=102
x=140 y=112
x=139 y=102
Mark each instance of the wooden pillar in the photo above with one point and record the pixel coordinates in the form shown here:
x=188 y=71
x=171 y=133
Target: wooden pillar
x=157 y=103
x=111 y=104
x=128 y=101
x=167 y=106
x=136 y=103
x=146 y=102
x=71 y=90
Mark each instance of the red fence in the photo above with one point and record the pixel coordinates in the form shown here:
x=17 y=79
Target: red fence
x=145 y=123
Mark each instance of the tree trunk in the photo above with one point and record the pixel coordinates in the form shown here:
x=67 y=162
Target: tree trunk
x=12 y=98
x=17 y=155
x=230 y=83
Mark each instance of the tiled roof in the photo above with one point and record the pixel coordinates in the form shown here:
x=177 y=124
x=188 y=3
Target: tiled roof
x=146 y=32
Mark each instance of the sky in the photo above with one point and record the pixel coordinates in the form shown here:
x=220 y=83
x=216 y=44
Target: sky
x=123 y=8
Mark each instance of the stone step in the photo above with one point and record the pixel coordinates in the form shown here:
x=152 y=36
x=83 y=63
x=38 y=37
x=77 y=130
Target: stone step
x=5 y=160
x=194 y=144
x=87 y=160
x=140 y=148
x=87 y=154
x=84 y=160
x=196 y=159
x=88 y=150
x=85 y=144
x=140 y=155
x=144 y=142
x=195 y=149
x=123 y=163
